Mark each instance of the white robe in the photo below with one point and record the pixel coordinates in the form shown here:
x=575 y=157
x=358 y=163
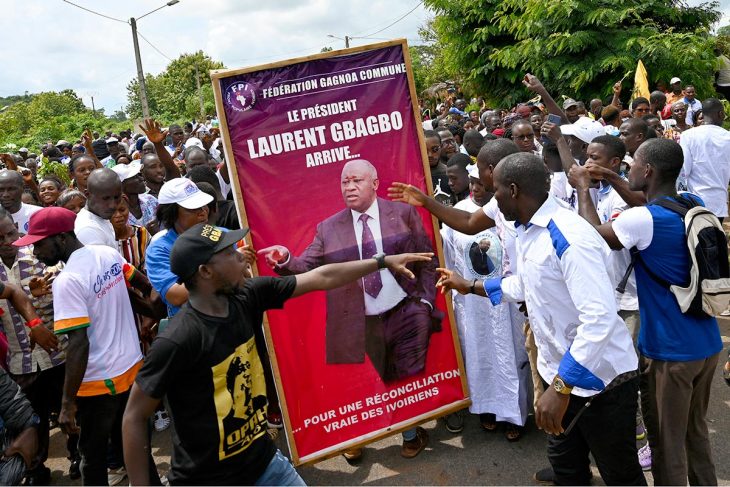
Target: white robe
x=492 y=341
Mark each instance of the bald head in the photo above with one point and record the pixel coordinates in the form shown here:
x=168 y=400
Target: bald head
x=520 y=182
x=360 y=165
x=105 y=192
x=11 y=177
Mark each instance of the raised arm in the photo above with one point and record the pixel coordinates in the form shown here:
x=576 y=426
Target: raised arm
x=156 y=135
x=616 y=101
x=331 y=276
x=86 y=139
x=533 y=84
x=460 y=220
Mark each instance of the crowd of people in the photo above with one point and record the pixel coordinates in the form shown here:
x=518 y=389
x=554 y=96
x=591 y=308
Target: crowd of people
x=564 y=240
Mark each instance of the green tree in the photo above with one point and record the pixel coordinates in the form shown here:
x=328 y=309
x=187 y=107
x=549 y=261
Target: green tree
x=576 y=47
x=170 y=93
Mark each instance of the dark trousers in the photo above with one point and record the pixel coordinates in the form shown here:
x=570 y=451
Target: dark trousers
x=397 y=340
x=674 y=397
x=607 y=429
x=44 y=390
x=100 y=420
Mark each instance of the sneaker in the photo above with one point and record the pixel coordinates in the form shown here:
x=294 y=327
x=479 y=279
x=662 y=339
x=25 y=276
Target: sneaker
x=645 y=457
x=274 y=420
x=116 y=476
x=454 y=422
x=546 y=476
x=640 y=432
x=162 y=420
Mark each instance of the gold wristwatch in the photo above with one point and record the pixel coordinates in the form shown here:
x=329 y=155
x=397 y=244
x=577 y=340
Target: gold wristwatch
x=561 y=387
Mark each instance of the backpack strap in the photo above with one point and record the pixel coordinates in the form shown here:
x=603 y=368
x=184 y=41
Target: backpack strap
x=678 y=204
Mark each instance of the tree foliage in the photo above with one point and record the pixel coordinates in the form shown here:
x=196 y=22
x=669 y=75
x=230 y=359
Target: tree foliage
x=576 y=47
x=49 y=116
x=173 y=94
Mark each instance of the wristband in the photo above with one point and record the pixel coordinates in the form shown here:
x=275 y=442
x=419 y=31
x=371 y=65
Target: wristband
x=473 y=285
x=33 y=323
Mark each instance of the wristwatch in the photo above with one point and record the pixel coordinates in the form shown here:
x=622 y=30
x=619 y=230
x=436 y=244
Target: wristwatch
x=380 y=259
x=561 y=387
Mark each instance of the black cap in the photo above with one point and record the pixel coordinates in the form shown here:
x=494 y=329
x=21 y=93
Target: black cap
x=197 y=245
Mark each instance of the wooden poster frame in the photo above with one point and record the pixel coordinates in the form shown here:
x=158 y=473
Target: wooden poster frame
x=217 y=76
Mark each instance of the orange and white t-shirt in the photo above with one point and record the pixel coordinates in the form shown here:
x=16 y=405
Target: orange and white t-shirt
x=91 y=293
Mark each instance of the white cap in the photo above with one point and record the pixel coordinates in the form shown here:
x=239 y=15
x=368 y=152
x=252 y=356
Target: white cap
x=126 y=171
x=194 y=142
x=61 y=142
x=473 y=171
x=23 y=149
x=674 y=80
x=112 y=140
x=183 y=192
x=585 y=129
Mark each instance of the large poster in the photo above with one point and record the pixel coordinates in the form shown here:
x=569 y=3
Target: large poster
x=313 y=144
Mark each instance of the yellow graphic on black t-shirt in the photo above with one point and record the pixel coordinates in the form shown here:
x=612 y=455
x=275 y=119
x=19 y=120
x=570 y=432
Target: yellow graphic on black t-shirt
x=240 y=399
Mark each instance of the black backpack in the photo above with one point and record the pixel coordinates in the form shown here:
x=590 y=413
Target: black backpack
x=708 y=291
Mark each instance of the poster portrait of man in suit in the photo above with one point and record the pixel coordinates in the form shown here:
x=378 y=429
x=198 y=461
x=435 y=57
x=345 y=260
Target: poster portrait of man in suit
x=388 y=318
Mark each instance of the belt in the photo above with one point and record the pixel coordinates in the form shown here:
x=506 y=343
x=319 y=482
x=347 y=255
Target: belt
x=387 y=313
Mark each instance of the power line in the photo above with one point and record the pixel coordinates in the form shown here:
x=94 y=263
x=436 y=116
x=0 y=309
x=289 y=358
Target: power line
x=392 y=23
x=96 y=13
x=153 y=46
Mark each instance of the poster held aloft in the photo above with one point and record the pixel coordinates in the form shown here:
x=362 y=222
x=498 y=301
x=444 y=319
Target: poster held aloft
x=311 y=144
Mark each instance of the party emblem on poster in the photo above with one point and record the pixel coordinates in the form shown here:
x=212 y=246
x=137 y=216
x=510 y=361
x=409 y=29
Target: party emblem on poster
x=310 y=164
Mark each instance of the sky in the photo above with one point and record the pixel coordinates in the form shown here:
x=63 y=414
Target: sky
x=52 y=45
x=63 y=46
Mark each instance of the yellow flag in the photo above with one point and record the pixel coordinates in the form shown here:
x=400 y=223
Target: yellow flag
x=641 y=82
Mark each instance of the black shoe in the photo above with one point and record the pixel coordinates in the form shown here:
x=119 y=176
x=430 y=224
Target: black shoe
x=38 y=476
x=74 y=470
x=546 y=476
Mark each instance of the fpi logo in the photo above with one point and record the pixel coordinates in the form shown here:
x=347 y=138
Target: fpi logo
x=241 y=96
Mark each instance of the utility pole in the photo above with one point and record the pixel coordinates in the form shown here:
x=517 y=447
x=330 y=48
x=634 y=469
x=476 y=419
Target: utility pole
x=347 y=42
x=93 y=108
x=200 y=94
x=140 y=73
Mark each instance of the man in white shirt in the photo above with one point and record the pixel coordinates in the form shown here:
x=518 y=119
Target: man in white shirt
x=11 y=192
x=706 y=168
x=92 y=225
x=584 y=349
x=693 y=104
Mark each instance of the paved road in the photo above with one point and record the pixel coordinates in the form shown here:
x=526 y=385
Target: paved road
x=470 y=458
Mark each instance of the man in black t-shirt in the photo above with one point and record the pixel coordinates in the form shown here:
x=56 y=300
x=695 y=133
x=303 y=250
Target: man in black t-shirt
x=206 y=363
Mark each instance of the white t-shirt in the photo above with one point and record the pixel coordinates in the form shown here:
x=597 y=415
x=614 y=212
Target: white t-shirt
x=706 y=166
x=610 y=205
x=90 y=292
x=91 y=229
x=22 y=216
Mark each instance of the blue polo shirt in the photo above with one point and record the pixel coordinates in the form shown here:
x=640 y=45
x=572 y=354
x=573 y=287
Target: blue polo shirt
x=158 y=266
x=666 y=333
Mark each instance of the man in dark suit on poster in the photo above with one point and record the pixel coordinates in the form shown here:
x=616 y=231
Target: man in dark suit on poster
x=389 y=318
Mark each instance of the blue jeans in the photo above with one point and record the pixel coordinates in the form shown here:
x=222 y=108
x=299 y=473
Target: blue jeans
x=280 y=472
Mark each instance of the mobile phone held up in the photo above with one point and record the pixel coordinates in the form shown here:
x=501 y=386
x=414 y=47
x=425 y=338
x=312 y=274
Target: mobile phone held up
x=552 y=118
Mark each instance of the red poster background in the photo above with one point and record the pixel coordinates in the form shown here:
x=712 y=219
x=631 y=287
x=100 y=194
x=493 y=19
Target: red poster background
x=284 y=200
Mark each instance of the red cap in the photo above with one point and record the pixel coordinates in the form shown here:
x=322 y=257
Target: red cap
x=47 y=223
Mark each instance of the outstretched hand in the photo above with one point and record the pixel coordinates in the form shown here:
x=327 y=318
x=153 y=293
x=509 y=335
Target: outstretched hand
x=617 y=88
x=551 y=131
x=153 y=131
x=449 y=280
x=39 y=286
x=274 y=255
x=86 y=139
x=406 y=193
x=397 y=263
